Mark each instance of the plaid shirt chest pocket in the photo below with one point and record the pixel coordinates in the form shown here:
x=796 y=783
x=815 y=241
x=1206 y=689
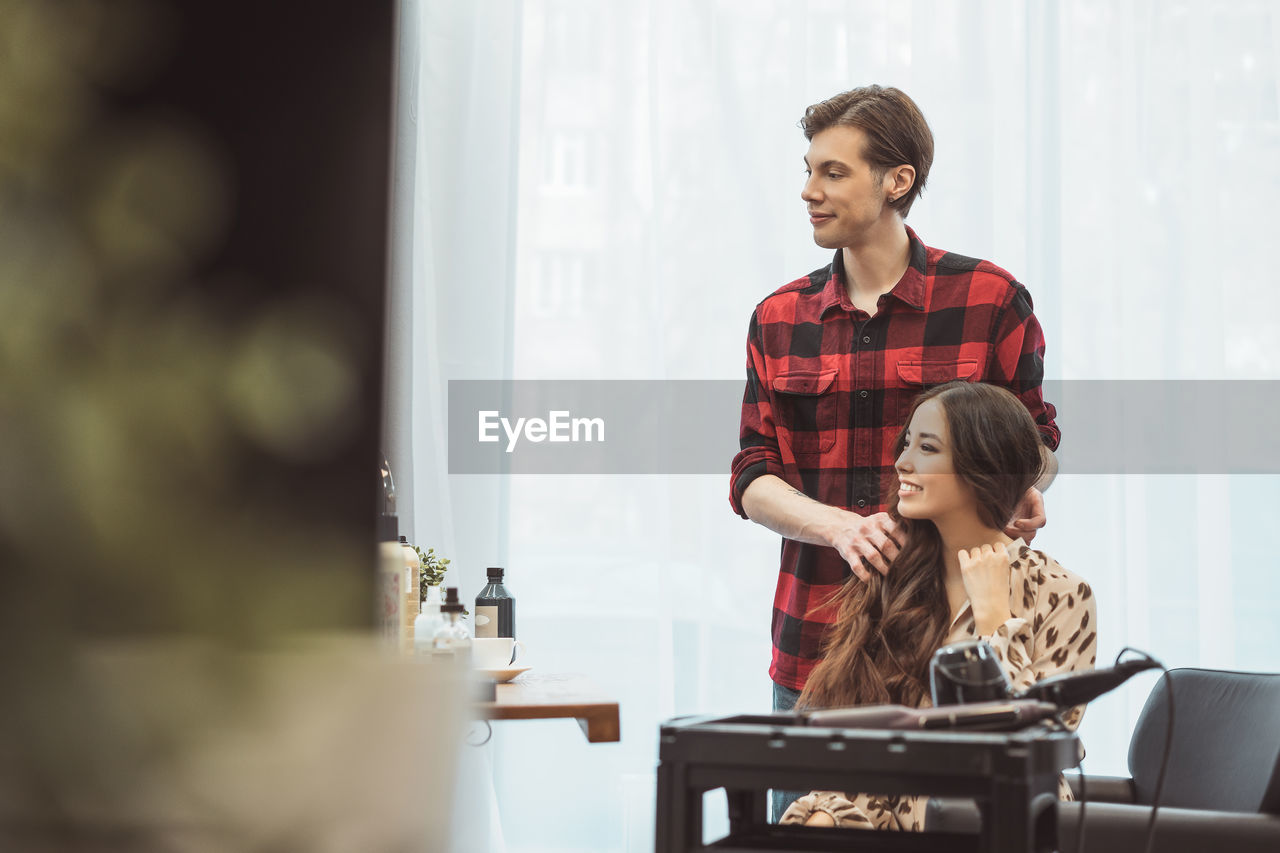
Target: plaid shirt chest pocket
x=915 y=376
x=806 y=408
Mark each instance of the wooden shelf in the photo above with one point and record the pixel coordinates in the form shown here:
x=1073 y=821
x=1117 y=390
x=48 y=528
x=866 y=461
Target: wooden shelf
x=543 y=696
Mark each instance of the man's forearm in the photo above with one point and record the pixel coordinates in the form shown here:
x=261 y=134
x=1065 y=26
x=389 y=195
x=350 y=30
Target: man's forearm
x=784 y=509
x=864 y=543
x=1049 y=461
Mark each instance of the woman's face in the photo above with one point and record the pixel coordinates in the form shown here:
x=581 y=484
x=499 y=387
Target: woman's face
x=928 y=486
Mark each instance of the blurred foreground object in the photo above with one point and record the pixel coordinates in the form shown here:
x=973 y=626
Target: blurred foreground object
x=325 y=743
x=193 y=221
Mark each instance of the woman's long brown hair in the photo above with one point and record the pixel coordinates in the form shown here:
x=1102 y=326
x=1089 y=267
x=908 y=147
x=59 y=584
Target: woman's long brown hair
x=886 y=630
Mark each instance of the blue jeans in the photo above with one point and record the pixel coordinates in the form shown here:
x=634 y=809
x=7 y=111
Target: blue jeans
x=784 y=699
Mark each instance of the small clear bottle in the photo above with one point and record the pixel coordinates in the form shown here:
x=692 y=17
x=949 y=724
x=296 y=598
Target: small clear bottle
x=427 y=622
x=495 y=607
x=452 y=639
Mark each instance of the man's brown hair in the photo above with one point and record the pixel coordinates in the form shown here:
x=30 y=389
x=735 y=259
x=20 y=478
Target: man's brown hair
x=895 y=129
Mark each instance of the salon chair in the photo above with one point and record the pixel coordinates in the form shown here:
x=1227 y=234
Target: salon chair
x=1221 y=788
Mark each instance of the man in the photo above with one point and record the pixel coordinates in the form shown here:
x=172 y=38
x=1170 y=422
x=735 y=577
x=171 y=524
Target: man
x=835 y=359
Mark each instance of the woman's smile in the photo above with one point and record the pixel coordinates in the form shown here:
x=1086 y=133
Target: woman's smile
x=928 y=486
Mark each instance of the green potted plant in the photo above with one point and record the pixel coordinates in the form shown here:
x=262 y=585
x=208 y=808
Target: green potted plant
x=431 y=578
x=431 y=575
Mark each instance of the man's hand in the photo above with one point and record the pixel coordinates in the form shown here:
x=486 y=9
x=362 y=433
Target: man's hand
x=864 y=543
x=986 y=576
x=869 y=542
x=1028 y=516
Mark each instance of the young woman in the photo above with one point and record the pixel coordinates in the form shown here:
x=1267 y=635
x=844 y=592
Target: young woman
x=967 y=455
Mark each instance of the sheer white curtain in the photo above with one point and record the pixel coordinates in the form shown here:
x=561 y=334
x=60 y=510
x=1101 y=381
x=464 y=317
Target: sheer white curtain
x=606 y=190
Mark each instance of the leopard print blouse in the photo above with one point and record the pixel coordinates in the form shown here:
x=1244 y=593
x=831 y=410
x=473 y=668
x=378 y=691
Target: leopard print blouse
x=1053 y=630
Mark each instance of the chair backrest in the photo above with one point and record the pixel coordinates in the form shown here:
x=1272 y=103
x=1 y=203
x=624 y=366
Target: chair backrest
x=1225 y=752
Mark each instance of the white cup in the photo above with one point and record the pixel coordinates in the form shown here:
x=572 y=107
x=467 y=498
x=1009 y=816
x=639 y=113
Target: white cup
x=495 y=652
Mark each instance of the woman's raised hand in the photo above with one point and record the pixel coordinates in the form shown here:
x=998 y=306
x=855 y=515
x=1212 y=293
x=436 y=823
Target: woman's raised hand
x=986 y=576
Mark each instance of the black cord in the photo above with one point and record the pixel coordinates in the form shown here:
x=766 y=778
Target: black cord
x=1168 y=745
x=488 y=735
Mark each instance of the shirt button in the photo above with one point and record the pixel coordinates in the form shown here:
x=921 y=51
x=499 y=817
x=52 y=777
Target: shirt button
x=862 y=393
x=861 y=503
x=866 y=339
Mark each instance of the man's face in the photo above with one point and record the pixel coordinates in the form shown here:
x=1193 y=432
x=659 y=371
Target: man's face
x=844 y=195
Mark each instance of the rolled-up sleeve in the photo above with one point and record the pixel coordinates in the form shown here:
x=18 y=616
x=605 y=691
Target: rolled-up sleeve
x=1017 y=362
x=757 y=433
x=845 y=813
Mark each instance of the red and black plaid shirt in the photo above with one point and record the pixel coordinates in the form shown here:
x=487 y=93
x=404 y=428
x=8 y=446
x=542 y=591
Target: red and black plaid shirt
x=828 y=389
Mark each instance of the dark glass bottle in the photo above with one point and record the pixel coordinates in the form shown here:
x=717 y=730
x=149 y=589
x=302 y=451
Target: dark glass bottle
x=495 y=608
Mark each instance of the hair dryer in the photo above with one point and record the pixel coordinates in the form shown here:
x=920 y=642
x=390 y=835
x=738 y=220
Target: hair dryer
x=969 y=671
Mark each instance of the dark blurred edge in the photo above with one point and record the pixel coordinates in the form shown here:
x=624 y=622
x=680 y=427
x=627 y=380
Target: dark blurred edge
x=298 y=97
